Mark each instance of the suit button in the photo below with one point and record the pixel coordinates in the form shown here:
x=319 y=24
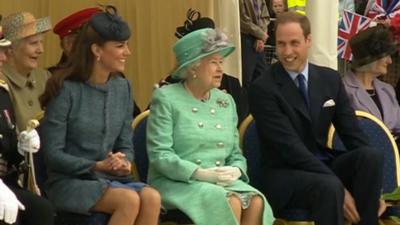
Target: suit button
x=195 y=110
x=200 y=124
x=30 y=103
x=198 y=161
x=212 y=111
x=217 y=163
x=220 y=144
x=218 y=126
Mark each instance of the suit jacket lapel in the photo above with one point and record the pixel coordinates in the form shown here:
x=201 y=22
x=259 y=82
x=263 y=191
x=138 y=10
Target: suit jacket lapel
x=315 y=83
x=289 y=90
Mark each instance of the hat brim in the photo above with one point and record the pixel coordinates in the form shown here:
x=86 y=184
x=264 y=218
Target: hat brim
x=356 y=63
x=179 y=72
x=40 y=25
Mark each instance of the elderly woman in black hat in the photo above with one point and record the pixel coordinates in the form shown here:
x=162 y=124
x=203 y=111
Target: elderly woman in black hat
x=87 y=129
x=372 y=49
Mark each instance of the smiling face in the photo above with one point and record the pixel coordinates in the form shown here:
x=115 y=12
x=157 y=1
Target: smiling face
x=292 y=46
x=26 y=52
x=209 y=72
x=112 y=55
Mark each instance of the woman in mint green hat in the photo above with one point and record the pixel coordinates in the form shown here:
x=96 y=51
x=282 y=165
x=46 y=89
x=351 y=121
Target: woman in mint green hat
x=193 y=144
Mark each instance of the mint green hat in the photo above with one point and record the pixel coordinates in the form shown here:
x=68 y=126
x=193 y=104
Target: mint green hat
x=199 y=44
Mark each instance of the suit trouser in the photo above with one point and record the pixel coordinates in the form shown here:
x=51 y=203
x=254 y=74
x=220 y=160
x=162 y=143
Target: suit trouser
x=360 y=171
x=253 y=63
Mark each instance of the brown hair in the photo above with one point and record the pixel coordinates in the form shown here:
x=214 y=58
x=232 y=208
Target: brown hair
x=79 y=66
x=294 y=17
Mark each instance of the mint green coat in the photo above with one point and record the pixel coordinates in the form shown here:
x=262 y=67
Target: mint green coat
x=184 y=134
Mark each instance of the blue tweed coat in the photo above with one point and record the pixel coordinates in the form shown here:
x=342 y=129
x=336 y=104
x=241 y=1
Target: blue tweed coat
x=81 y=126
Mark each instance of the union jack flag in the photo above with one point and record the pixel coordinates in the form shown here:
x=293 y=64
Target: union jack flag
x=383 y=9
x=350 y=25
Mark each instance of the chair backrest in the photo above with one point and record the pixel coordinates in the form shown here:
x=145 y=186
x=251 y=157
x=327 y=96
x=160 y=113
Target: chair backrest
x=139 y=144
x=250 y=145
x=382 y=140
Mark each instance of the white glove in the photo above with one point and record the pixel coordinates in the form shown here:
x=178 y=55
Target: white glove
x=227 y=175
x=9 y=204
x=28 y=141
x=207 y=175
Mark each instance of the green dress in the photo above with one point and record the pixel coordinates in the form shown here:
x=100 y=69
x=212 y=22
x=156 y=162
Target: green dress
x=184 y=134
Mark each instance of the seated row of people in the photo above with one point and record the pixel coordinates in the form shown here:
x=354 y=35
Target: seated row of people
x=195 y=161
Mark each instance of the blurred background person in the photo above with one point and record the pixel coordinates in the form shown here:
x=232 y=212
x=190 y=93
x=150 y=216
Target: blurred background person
x=277 y=7
x=254 y=20
x=67 y=30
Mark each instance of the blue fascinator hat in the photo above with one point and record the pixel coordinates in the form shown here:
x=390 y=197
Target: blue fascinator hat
x=109 y=25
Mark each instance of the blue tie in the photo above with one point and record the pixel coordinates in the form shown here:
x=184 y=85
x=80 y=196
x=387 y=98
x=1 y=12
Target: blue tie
x=303 y=88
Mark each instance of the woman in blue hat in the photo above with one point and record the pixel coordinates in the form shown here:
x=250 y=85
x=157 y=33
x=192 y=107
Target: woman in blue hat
x=87 y=134
x=192 y=140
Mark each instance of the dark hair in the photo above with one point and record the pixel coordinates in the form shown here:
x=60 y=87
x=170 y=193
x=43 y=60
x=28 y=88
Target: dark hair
x=79 y=66
x=294 y=17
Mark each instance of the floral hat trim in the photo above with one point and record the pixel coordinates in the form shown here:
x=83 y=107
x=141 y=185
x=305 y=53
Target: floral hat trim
x=199 y=44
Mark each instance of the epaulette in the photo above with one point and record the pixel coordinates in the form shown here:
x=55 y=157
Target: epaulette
x=3 y=84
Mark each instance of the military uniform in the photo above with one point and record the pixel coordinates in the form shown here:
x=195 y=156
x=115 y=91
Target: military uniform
x=38 y=211
x=8 y=137
x=25 y=92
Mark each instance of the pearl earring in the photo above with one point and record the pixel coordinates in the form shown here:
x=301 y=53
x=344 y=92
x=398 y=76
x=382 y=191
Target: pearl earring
x=194 y=76
x=98 y=58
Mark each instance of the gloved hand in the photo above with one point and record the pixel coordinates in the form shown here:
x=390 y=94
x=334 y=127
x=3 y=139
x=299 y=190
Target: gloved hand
x=227 y=175
x=207 y=175
x=9 y=204
x=28 y=141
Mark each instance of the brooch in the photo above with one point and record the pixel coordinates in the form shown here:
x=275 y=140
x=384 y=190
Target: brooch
x=222 y=102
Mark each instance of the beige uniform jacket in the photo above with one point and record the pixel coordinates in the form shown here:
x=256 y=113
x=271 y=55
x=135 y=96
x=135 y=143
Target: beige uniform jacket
x=25 y=92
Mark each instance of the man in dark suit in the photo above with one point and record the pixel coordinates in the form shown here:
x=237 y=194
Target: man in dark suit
x=293 y=104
